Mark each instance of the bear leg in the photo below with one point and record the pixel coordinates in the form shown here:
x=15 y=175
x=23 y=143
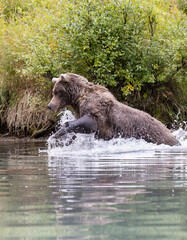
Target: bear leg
x=85 y=124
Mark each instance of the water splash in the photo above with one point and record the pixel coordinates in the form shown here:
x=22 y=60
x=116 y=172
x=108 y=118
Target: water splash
x=86 y=145
x=180 y=129
x=181 y=135
x=66 y=116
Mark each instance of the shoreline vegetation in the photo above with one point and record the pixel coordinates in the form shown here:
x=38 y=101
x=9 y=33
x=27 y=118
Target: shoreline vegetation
x=137 y=49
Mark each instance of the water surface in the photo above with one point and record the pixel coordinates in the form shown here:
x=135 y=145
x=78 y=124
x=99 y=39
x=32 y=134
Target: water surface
x=121 y=189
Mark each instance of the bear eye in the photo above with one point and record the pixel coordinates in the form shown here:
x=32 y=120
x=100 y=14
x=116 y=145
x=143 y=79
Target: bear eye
x=55 y=92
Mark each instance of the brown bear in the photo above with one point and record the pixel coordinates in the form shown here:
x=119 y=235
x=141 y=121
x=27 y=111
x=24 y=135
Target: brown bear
x=97 y=111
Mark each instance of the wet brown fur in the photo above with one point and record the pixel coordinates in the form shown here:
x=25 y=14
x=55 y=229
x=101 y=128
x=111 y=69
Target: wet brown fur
x=114 y=119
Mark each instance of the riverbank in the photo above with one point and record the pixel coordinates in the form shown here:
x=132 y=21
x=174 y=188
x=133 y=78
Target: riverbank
x=25 y=121
x=5 y=138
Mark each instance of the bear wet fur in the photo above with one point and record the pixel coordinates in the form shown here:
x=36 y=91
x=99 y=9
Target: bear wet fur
x=97 y=110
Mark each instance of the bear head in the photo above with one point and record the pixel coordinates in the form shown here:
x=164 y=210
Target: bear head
x=60 y=97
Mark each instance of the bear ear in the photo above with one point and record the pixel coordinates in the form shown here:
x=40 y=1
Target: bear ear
x=54 y=80
x=63 y=78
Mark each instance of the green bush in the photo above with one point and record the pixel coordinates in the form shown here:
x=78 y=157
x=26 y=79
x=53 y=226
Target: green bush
x=125 y=43
x=136 y=47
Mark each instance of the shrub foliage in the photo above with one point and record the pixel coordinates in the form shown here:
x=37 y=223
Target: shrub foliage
x=130 y=46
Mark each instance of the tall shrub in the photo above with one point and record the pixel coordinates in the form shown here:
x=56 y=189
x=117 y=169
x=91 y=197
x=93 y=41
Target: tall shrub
x=124 y=43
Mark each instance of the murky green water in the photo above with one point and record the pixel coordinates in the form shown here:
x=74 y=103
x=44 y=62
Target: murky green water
x=133 y=195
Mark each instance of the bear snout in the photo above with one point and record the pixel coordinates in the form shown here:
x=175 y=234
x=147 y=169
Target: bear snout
x=55 y=104
x=49 y=106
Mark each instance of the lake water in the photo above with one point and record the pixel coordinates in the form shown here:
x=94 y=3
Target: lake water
x=91 y=189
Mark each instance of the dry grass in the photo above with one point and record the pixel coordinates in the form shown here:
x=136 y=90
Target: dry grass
x=28 y=116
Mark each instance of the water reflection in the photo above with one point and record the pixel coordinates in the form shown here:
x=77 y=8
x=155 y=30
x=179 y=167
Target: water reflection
x=91 y=196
